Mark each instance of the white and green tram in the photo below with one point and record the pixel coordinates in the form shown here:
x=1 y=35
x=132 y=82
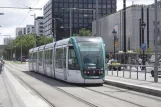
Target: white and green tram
x=74 y=60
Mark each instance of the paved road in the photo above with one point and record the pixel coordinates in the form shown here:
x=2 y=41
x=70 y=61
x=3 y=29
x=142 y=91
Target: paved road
x=101 y=96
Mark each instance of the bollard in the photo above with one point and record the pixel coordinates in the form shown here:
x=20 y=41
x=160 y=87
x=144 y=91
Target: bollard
x=112 y=70
x=130 y=72
x=117 y=72
x=137 y=72
x=123 y=71
x=145 y=73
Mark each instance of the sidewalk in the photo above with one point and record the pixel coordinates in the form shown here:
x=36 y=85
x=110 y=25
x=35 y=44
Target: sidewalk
x=15 y=93
x=5 y=100
x=137 y=85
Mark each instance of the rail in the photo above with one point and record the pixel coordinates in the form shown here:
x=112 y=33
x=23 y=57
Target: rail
x=130 y=71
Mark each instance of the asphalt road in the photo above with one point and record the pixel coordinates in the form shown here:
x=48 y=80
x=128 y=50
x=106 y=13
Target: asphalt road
x=101 y=96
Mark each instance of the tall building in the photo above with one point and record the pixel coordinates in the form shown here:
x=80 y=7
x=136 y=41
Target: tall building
x=158 y=2
x=20 y=29
x=133 y=16
x=39 y=26
x=80 y=18
x=30 y=29
x=7 y=41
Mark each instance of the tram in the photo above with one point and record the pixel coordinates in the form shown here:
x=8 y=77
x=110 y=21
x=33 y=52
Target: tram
x=74 y=60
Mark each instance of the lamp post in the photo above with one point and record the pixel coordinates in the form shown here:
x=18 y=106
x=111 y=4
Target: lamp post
x=55 y=26
x=114 y=35
x=143 y=57
x=35 y=29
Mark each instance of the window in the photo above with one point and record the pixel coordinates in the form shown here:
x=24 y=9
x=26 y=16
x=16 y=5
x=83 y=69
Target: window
x=59 y=58
x=72 y=59
x=40 y=58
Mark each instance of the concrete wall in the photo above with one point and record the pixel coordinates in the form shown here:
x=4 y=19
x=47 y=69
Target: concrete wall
x=133 y=14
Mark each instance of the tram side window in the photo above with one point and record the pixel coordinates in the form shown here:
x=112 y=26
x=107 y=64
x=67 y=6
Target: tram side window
x=40 y=58
x=46 y=57
x=72 y=59
x=50 y=58
x=59 y=58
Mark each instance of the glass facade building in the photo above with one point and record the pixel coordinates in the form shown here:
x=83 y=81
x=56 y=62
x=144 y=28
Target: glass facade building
x=80 y=18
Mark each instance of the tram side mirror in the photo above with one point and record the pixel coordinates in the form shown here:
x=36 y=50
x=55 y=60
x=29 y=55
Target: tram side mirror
x=70 y=61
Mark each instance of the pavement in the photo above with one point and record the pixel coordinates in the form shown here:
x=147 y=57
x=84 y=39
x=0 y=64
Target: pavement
x=14 y=93
x=149 y=87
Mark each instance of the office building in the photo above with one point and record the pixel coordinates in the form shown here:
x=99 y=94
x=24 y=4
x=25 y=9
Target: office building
x=30 y=29
x=115 y=21
x=7 y=40
x=20 y=30
x=39 y=26
x=80 y=18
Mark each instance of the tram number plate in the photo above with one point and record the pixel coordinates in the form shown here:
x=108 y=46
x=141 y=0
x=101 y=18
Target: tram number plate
x=94 y=77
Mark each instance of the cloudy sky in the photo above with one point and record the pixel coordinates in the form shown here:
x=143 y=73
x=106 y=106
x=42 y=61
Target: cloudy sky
x=13 y=18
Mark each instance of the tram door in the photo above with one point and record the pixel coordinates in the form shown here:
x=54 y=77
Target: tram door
x=64 y=62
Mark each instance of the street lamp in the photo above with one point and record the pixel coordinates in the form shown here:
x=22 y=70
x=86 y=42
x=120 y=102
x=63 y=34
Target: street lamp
x=143 y=57
x=34 y=29
x=55 y=26
x=114 y=35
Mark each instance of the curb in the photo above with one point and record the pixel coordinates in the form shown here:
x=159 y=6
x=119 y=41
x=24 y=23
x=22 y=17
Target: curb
x=134 y=87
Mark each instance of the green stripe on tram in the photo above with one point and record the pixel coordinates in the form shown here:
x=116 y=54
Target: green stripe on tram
x=79 y=56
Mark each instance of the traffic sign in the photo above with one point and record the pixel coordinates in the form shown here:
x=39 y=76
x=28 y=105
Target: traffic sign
x=143 y=46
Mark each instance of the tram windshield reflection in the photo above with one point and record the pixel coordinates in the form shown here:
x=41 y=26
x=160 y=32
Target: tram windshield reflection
x=91 y=55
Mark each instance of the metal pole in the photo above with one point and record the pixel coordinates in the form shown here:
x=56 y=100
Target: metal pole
x=70 y=22
x=148 y=27
x=21 y=46
x=142 y=25
x=94 y=15
x=97 y=21
x=54 y=29
x=140 y=34
x=114 y=45
x=35 y=30
x=124 y=5
x=156 y=47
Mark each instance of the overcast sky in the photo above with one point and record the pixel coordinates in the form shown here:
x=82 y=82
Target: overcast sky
x=13 y=17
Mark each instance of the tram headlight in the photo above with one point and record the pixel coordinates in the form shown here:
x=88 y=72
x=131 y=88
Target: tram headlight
x=101 y=72
x=85 y=72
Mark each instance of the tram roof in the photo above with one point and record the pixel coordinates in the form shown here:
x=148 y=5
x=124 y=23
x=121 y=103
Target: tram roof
x=42 y=47
x=85 y=39
x=31 y=50
x=50 y=45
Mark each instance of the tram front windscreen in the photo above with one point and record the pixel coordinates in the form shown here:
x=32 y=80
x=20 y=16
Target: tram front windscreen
x=91 y=55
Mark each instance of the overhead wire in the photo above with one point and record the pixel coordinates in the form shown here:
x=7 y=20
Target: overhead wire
x=28 y=12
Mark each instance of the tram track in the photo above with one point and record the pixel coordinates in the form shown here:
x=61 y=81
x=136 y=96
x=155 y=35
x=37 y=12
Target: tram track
x=117 y=89
x=106 y=94
x=59 y=89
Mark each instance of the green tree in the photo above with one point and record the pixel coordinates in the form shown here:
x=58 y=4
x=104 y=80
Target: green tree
x=27 y=44
x=148 y=51
x=83 y=32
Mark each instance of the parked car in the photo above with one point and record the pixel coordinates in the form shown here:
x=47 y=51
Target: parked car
x=114 y=64
x=159 y=69
x=23 y=59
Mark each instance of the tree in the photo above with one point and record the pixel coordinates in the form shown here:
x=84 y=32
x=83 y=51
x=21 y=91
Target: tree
x=83 y=32
x=27 y=44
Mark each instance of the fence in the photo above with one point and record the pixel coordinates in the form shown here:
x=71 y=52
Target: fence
x=131 y=71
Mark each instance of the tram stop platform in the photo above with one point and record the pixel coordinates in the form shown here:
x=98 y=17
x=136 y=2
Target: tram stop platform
x=14 y=93
x=148 y=87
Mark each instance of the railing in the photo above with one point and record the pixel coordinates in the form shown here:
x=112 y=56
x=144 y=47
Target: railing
x=131 y=71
